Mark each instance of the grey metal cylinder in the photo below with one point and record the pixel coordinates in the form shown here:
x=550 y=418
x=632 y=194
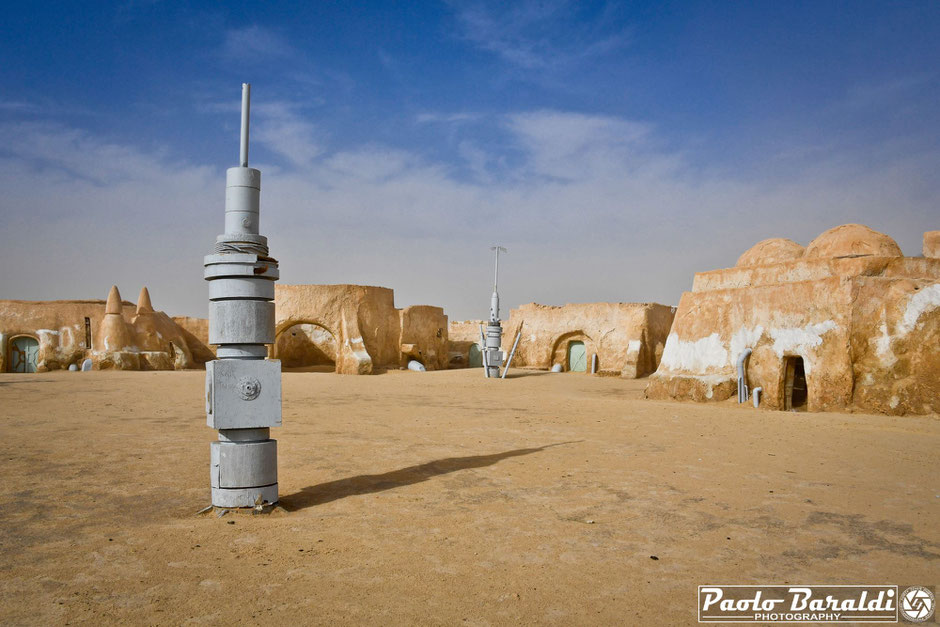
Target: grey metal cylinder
x=241 y=287
x=244 y=435
x=241 y=322
x=242 y=351
x=243 y=389
x=494 y=356
x=242 y=200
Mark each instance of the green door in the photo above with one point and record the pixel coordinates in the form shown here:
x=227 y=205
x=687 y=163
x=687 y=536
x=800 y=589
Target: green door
x=23 y=353
x=577 y=357
x=476 y=357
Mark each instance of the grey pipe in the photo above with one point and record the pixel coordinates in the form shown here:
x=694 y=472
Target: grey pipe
x=742 y=383
x=246 y=106
x=511 y=353
x=486 y=367
x=756 y=392
x=594 y=364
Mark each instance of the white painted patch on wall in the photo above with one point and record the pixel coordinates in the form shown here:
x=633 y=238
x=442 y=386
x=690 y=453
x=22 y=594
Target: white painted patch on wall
x=698 y=356
x=800 y=339
x=46 y=332
x=633 y=346
x=745 y=338
x=920 y=303
x=883 y=343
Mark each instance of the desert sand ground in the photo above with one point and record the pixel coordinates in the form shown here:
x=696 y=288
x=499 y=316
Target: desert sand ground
x=444 y=498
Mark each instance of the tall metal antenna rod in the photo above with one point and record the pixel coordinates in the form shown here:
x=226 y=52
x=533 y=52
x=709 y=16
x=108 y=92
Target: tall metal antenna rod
x=497 y=248
x=246 y=107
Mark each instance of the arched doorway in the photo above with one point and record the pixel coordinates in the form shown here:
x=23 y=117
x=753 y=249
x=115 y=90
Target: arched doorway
x=577 y=357
x=476 y=356
x=24 y=353
x=306 y=346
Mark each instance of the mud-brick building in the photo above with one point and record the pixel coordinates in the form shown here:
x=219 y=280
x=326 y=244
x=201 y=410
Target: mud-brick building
x=619 y=339
x=848 y=322
x=37 y=336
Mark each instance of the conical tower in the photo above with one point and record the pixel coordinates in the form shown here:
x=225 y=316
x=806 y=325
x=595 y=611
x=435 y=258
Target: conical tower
x=143 y=302
x=114 y=335
x=145 y=325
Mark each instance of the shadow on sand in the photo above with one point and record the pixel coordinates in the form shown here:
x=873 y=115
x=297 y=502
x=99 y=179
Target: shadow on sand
x=518 y=373
x=369 y=484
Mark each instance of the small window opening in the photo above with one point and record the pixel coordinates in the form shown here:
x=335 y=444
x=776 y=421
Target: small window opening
x=87 y=333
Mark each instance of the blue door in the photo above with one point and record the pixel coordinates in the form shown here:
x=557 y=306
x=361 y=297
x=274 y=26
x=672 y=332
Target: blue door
x=23 y=353
x=476 y=357
x=577 y=357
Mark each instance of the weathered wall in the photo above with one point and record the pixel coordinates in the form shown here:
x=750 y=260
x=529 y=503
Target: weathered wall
x=932 y=244
x=866 y=327
x=424 y=336
x=464 y=330
x=59 y=326
x=628 y=338
x=462 y=334
x=895 y=350
x=368 y=331
x=196 y=331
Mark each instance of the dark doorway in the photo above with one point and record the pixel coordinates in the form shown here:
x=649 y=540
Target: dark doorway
x=795 y=391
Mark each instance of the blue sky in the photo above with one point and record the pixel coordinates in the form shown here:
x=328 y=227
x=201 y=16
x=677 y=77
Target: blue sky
x=614 y=148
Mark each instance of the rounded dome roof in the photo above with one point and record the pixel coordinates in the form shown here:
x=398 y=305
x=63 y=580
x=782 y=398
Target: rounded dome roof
x=853 y=240
x=773 y=250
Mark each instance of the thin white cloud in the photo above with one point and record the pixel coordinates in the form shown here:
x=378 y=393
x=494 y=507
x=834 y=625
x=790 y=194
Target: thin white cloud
x=538 y=34
x=254 y=43
x=285 y=131
x=577 y=146
x=591 y=208
x=18 y=106
x=446 y=118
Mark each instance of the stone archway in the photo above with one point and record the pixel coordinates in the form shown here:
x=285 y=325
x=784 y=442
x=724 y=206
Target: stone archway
x=580 y=341
x=306 y=346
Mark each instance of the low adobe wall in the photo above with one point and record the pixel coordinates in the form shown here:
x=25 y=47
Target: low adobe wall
x=197 y=329
x=424 y=336
x=462 y=334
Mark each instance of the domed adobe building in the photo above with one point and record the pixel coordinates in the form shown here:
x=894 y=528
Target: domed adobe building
x=847 y=323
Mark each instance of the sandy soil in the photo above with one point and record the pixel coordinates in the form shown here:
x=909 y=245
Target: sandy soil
x=443 y=498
